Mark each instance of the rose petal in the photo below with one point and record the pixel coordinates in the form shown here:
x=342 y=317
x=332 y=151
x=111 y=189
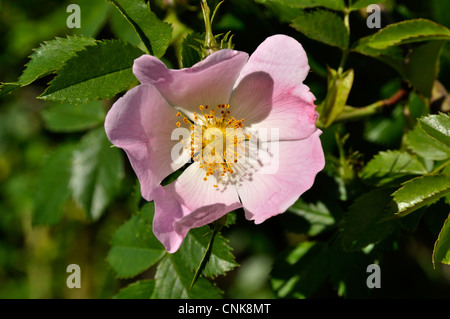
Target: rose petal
x=141 y=123
x=189 y=202
x=208 y=82
x=271 y=190
x=284 y=101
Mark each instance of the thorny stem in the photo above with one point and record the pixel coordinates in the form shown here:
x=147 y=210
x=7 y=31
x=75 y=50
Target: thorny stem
x=210 y=44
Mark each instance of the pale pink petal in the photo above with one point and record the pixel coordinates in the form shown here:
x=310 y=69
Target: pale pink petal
x=270 y=91
x=141 y=123
x=208 y=82
x=190 y=202
x=272 y=190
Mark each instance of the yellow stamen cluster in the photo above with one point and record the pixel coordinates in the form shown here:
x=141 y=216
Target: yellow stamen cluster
x=216 y=138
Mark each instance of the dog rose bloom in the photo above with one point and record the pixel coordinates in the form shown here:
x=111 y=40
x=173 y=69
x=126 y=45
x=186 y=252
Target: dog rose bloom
x=243 y=127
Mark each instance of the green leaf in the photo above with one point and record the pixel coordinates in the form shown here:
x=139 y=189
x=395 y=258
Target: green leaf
x=51 y=56
x=154 y=33
x=282 y=9
x=421 y=191
x=97 y=172
x=134 y=247
x=364 y=3
x=408 y=31
x=299 y=272
x=423 y=66
x=206 y=256
x=98 y=72
x=437 y=126
x=324 y=26
x=441 y=252
x=53 y=190
x=338 y=5
x=142 y=289
x=386 y=130
x=392 y=56
x=426 y=146
x=190 y=49
x=440 y=11
x=339 y=87
x=48 y=58
x=194 y=247
x=363 y=223
x=123 y=29
x=73 y=118
x=6 y=88
x=173 y=280
x=446 y=170
x=420 y=68
x=389 y=166
x=317 y=215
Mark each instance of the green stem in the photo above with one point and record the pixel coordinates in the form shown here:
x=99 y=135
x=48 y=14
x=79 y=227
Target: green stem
x=340 y=69
x=440 y=167
x=346 y=50
x=352 y=113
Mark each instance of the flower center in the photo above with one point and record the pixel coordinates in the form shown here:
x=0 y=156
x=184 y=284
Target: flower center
x=216 y=141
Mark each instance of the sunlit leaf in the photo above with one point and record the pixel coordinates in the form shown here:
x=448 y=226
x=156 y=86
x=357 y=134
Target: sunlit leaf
x=48 y=58
x=408 y=31
x=98 y=72
x=437 y=126
x=421 y=191
x=426 y=146
x=389 y=166
x=52 y=55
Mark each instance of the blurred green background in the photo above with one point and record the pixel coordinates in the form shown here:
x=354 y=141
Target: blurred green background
x=33 y=259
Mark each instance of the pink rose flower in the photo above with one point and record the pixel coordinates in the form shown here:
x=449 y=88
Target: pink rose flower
x=264 y=112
